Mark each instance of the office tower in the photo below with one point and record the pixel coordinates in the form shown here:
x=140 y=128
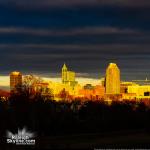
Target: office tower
x=64 y=73
x=15 y=81
x=112 y=79
x=68 y=77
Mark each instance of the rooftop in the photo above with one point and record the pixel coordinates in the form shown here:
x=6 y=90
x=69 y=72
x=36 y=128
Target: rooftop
x=15 y=73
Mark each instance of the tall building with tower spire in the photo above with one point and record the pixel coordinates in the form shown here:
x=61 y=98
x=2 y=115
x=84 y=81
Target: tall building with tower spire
x=68 y=77
x=64 y=73
x=112 y=79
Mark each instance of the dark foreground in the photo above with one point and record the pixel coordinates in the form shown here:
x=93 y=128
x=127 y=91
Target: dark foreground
x=137 y=139
x=76 y=124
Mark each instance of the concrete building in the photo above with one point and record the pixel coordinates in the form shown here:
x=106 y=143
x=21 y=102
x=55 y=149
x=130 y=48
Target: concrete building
x=15 y=81
x=112 y=79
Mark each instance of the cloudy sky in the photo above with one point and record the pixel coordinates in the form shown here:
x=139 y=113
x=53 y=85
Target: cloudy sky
x=38 y=36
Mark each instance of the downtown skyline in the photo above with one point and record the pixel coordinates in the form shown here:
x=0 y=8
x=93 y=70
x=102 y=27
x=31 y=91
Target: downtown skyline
x=37 y=37
x=81 y=78
x=75 y=73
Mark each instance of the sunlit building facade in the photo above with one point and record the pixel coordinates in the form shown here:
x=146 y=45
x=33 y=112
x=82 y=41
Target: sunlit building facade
x=124 y=86
x=68 y=77
x=140 y=91
x=15 y=81
x=59 y=88
x=112 y=79
x=89 y=92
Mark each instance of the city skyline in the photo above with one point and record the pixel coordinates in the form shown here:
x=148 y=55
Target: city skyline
x=110 y=87
x=82 y=78
x=74 y=74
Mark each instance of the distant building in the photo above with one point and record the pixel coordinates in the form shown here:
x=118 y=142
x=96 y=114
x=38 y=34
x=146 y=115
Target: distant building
x=92 y=92
x=68 y=77
x=141 y=91
x=112 y=79
x=103 y=80
x=57 y=89
x=15 y=81
x=88 y=87
x=124 y=86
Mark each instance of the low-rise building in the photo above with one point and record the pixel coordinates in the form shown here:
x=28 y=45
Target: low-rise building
x=141 y=91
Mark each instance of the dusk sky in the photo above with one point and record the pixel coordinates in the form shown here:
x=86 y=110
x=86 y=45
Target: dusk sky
x=38 y=36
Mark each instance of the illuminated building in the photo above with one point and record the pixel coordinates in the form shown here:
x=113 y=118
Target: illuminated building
x=99 y=91
x=41 y=87
x=57 y=89
x=141 y=91
x=112 y=79
x=15 y=81
x=124 y=86
x=92 y=92
x=68 y=77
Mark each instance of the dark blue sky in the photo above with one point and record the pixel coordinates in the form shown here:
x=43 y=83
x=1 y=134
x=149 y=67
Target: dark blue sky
x=38 y=36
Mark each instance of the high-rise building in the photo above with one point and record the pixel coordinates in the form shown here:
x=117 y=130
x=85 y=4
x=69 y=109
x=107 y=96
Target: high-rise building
x=68 y=77
x=112 y=79
x=15 y=81
x=64 y=73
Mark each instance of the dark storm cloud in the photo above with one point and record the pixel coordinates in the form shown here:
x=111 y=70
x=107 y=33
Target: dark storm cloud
x=94 y=59
x=62 y=3
x=84 y=35
x=91 y=60
x=67 y=32
x=60 y=18
x=78 y=39
x=52 y=50
x=40 y=35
